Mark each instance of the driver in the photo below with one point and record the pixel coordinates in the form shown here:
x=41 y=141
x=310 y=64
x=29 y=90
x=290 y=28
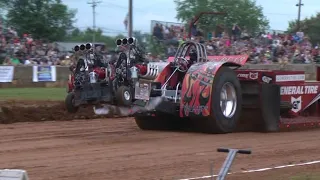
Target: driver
x=193 y=56
x=187 y=63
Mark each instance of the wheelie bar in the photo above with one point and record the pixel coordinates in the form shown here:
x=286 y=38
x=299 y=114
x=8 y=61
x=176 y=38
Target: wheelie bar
x=229 y=160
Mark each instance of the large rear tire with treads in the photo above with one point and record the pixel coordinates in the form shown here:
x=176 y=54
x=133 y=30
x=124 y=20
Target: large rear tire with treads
x=226 y=103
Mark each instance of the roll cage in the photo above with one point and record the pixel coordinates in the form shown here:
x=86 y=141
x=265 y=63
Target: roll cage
x=180 y=60
x=185 y=48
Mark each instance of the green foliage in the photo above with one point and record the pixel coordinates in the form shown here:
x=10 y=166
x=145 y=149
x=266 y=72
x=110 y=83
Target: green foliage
x=156 y=47
x=141 y=38
x=3 y=8
x=245 y=13
x=144 y=41
x=3 y=4
x=77 y=35
x=310 y=26
x=44 y=19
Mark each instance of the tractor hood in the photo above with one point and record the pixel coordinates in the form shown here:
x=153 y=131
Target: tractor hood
x=236 y=59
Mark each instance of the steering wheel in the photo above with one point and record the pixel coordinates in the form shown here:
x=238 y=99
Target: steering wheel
x=182 y=64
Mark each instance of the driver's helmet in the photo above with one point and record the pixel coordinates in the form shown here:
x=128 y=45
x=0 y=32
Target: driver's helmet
x=193 y=55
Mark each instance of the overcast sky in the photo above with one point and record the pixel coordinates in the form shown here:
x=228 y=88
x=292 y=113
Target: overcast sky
x=111 y=13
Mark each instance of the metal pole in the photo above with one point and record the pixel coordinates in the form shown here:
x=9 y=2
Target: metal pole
x=299 y=14
x=130 y=18
x=93 y=21
x=94 y=5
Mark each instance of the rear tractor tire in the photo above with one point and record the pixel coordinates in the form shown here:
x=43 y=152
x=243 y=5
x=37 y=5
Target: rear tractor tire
x=70 y=103
x=226 y=103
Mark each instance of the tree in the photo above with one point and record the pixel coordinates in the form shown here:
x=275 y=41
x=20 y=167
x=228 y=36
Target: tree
x=3 y=4
x=310 y=27
x=77 y=35
x=142 y=39
x=43 y=19
x=245 y=13
x=3 y=7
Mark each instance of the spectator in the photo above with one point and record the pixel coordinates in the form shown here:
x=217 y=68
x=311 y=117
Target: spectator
x=157 y=32
x=7 y=61
x=236 y=32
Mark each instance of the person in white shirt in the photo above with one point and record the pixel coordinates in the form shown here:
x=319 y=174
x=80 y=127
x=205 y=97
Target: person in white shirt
x=27 y=62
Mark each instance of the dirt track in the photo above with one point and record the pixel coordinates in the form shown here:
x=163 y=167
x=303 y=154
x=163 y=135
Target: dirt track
x=117 y=149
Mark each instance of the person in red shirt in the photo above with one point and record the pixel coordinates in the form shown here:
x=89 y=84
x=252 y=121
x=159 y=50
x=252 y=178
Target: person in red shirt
x=16 y=40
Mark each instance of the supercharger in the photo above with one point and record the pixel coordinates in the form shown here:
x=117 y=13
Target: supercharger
x=154 y=69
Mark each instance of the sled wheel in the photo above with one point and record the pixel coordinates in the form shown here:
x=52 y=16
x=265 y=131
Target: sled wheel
x=157 y=123
x=69 y=101
x=226 y=103
x=124 y=96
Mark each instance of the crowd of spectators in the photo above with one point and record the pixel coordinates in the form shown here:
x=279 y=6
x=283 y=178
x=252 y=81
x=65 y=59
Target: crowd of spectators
x=267 y=48
x=167 y=32
x=15 y=50
x=264 y=48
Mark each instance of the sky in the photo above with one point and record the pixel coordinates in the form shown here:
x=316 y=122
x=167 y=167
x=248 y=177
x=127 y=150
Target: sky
x=110 y=14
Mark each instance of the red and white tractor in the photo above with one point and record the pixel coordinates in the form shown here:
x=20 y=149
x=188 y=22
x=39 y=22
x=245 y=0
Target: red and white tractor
x=218 y=97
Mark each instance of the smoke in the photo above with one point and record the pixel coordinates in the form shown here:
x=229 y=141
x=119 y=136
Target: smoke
x=101 y=111
x=153 y=103
x=107 y=109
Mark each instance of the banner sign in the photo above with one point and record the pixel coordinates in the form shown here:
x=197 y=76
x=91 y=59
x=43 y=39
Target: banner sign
x=6 y=73
x=44 y=73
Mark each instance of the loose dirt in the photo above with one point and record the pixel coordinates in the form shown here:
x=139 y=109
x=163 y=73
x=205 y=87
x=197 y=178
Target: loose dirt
x=32 y=111
x=114 y=148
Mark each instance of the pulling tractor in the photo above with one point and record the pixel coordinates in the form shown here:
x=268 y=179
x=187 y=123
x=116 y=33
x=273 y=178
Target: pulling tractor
x=218 y=97
x=94 y=81
x=210 y=93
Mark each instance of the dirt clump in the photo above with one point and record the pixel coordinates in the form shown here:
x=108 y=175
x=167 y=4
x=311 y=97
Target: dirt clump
x=33 y=111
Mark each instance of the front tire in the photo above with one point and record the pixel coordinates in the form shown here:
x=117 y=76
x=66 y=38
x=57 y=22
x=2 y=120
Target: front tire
x=226 y=103
x=124 y=96
x=70 y=104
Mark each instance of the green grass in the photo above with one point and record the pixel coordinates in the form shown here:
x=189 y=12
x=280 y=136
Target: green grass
x=32 y=93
